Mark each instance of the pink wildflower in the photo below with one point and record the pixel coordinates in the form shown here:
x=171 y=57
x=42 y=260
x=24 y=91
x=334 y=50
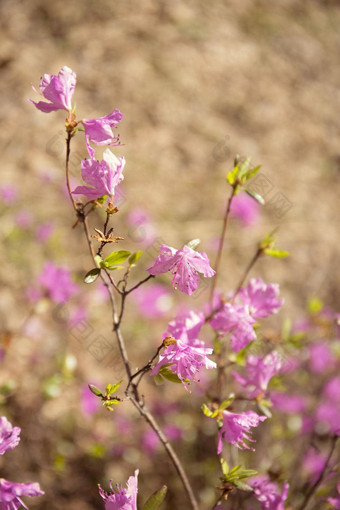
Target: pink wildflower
x=261 y=298
x=259 y=372
x=153 y=301
x=184 y=360
x=236 y=320
x=99 y=131
x=185 y=265
x=8 y=194
x=57 y=282
x=103 y=177
x=320 y=357
x=9 y=436
x=186 y=326
x=119 y=498
x=245 y=208
x=10 y=494
x=235 y=429
x=58 y=90
x=267 y=493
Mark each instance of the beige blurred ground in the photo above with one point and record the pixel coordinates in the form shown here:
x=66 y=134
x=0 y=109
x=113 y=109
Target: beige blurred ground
x=198 y=82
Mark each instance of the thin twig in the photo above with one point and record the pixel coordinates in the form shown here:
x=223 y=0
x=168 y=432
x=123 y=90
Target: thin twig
x=248 y=269
x=139 y=284
x=221 y=243
x=321 y=476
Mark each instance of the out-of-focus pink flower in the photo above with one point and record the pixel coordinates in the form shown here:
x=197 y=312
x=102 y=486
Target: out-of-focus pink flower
x=184 y=264
x=99 y=131
x=268 y=494
x=320 y=357
x=8 y=194
x=151 y=442
x=335 y=501
x=259 y=372
x=23 y=219
x=186 y=326
x=184 y=360
x=58 y=89
x=9 y=436
x=261 y=298
x=236 y=429
x=77 y=315
x=103 y=177
x=327 y=415
x=119 y=498
x=331 y=389
x=236 y=320
x=44 y=231
x=11 y=493
x=142 y=229
x=288 y=403
x=89 y=402
x=153 y=301
x=57 y=282
x=245 y=208
x=313 y=464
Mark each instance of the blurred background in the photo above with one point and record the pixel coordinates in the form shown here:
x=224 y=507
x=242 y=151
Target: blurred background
x=198 y=82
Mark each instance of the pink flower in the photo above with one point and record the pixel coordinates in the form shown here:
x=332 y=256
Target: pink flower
x=58 y=90
x=103 y=177
x=10 y=494
x=288 y=403
x=89 y=401
x=184 y=264
x=320 y=357
x=335 y=501
x=267 y=493
x=119 y=498
x=236 y=320
x=235 y=429
x=9 y=436
x=245 y=208
x=99 y=131
x=186 y=326
x=184 y=360
x=57 y=282
x=153 y=301
x=8 y=194
x=314 y=463
x=44 y=232
x=261 y=298
x=23 y=219
x=259 y=372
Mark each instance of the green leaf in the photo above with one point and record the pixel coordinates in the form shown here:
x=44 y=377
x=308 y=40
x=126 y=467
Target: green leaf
x=92 y=275
x=224 y=467
x=226 y=403
x=168 y=374
x=252 y=172
x=193 y=243
x=243 y=486
x=156 y=499
x=264 y=409
x=133 y=259
x=112 y=388
x=98 y=260
x=96 y=391
x=232 y=175
x=206 y=410
x=256 y=196
x=158 y=380
x=274 y=252
x=113 y=268
x=116 y=258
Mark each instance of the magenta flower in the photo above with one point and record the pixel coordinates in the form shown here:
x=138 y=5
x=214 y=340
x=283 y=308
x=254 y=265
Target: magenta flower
x=103 y=177
x=57 y=282
x=245 y=208
x=44 y=232
x=186 y=326
x=185 y=360
x=153 y=301
x=235 y=429
x=99 y=131
x=288 y=403
x=8 y=194
x=320 y=357
x=335 y=501
x=236 y=320
x=261 y=298
x=119 y=498
x=9 y=436
x=259 y=372
x=184 y=264
x=56 y=89
x=314 y=463
x=10 y=494
x=267 y=493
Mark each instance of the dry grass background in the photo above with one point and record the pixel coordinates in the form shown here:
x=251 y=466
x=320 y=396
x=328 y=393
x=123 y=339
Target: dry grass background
x=193 y=79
